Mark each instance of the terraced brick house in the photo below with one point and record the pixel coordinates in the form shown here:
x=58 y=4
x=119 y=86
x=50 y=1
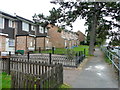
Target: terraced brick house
x=30 y=37
x=7 y=32
x=18 y=33
x=25 y=34
x=62 y=39
x=81 y=36
x=42 y=38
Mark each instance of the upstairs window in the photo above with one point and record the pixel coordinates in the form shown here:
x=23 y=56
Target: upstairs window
x=41 y=30
x=1 y=23
x=25 y=26
x=11 y=23
x=46 y=30
x=33 y=28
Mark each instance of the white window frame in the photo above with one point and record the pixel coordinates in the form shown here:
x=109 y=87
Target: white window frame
x=41 y=30
x=25 y=26
x=32 y=28
x=2 y=24
x=10 y=23
x=46 y=30
x=11 y=43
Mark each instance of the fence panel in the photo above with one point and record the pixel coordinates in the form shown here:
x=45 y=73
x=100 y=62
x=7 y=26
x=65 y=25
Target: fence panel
x=16 y=62
x=50 y=77
x=113 y=58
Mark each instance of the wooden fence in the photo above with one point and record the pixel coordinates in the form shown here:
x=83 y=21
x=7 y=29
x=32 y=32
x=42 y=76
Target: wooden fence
x=44 y=75
x=53 y=58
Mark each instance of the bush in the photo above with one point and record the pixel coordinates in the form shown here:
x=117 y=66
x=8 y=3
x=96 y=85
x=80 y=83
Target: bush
x=70 y=53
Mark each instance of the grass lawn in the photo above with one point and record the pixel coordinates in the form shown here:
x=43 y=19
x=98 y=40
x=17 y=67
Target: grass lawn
x=5 y=80
x=65 y=86
x=63 y=50
x=107 y=60
x=81 y=48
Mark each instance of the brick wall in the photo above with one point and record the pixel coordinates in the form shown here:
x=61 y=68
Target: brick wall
x=55 y=37
x=2 y=43
x=48 y=44
x=81 y=36
x=25 y=43
x=21 y=43
x=40 y=42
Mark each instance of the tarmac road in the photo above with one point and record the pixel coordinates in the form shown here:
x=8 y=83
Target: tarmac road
x=96 y=73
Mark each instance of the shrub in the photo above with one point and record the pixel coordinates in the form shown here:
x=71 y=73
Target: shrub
x=70 y=53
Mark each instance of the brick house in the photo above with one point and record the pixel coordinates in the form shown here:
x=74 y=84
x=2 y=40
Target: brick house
x=30 y=36
x=7 y=30
x=42 y=38
x=18 y=33
x=25 y=34
x=81 y=36
x=62 y=39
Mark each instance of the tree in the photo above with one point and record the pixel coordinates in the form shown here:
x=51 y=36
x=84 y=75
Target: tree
x=93 y=12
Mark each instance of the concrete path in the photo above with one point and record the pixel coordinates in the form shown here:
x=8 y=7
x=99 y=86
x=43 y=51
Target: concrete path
x=96 y=73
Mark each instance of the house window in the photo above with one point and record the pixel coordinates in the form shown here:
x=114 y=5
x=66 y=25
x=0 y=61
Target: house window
x=41 y=30
x=25 y=26
x=45 y=30
x=11 y=43
x=1 y=23
x=33 y=28
x=10 y=23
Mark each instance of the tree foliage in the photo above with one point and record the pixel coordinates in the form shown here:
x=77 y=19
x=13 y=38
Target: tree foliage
x=93 y=12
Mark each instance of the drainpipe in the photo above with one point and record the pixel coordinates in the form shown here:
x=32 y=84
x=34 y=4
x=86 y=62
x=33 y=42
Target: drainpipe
x=35 y=43
x=26 y=46
x=44 y=38
x=15 y=33
x=44 y=43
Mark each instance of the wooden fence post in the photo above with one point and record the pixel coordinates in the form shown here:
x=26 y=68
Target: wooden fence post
x=50 y=58
x=8 y=63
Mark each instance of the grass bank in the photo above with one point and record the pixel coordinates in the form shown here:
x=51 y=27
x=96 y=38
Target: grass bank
x=107 y=59
x=6 y=82
x=63 y=50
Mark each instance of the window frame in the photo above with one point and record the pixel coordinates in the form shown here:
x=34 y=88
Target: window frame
x=32 y=27
x=24 y=26
x=10 y=23
x=11 y=43
x=46 y=30
x=41 y=30
x=3 y=23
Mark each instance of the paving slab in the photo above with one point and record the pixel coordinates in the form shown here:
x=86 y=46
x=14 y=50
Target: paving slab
x=95 y=73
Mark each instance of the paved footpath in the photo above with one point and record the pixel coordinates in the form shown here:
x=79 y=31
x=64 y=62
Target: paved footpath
x=96 y=73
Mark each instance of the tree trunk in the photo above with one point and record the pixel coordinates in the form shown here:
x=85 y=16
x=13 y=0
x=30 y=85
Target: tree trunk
x=93 y=33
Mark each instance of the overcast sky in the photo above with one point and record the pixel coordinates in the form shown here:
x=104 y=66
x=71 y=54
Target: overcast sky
x=27 y=8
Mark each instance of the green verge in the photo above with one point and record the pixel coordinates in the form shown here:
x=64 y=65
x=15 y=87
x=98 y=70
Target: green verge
x=63 y=50
x=107 y=60
x=6 y=80
x=64 y=86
